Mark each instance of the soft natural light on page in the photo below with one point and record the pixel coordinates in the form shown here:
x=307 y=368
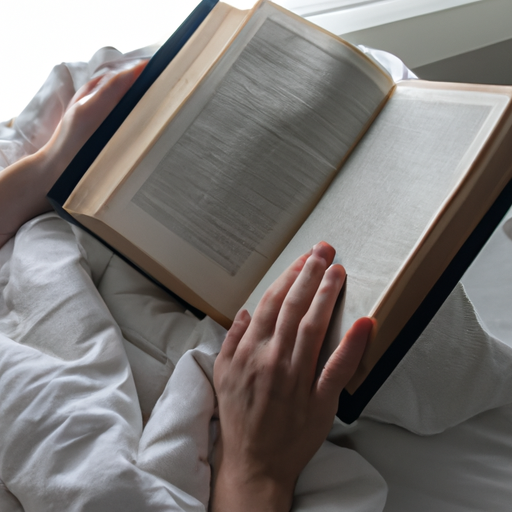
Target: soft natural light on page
x=36 y=35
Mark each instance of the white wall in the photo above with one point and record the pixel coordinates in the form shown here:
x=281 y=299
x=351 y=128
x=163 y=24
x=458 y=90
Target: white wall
x=420 y=39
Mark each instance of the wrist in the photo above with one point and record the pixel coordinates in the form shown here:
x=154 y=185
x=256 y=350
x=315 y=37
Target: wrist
x=52 y=160
x=23 y=189
x=234 y=492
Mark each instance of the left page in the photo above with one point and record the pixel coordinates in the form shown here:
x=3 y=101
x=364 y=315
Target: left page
x=243 y=162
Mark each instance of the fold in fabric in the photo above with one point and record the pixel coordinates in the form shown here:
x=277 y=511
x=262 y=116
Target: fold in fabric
x=453 y=372
x=71 y=420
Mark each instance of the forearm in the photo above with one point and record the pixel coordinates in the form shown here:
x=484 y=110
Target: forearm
x=23 y=189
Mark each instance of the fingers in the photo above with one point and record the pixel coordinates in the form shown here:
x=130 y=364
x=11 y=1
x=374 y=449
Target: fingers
x=267 y=311
x=301 y=294
x=344 y=361
x=85 y=90
x=110 y=88
x=235 y=333
x=287 y=301
x=111 y=83
x=85 y=113
x=293 y=317
x=314 y=324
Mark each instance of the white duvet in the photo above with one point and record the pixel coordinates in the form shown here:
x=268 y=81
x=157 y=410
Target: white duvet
x=117 y=413
x=106 y=397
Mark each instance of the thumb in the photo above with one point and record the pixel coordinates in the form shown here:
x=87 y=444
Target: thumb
x=343 y=363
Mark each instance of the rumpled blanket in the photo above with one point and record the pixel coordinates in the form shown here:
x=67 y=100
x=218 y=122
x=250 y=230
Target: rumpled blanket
x=107 y=399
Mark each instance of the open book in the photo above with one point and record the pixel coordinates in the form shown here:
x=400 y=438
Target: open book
x=265 y=134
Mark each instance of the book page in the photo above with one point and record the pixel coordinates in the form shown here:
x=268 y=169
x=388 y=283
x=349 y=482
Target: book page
x=251 y=157
x=246 y=159
x=379 y=206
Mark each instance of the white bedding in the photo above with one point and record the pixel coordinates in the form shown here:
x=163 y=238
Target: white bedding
x=467 y=467
x=79 y=378
x=106 y=395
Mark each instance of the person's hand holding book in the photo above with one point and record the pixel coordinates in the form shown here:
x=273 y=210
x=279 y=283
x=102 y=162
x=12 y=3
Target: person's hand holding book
x=274 y=412
x=24 y=184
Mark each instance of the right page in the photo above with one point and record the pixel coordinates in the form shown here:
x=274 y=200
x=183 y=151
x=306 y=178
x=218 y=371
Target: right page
x=382 y=210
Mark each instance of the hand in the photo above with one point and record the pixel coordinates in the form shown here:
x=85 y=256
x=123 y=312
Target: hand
x=86 y=111
x=274 y=414
x=25 y=184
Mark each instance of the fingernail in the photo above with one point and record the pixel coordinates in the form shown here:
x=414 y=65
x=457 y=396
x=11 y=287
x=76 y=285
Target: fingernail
x=242 y=315
x=324 y=251
x=339 y=272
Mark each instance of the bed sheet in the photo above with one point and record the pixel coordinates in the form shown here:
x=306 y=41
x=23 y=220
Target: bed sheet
x=467 y=468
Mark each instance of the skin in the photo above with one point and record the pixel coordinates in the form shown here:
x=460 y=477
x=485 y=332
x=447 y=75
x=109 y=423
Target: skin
x=274 y=414
x=25 y=184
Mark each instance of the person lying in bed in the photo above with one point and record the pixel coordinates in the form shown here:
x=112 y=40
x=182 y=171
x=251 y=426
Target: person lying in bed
x=274 y=414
